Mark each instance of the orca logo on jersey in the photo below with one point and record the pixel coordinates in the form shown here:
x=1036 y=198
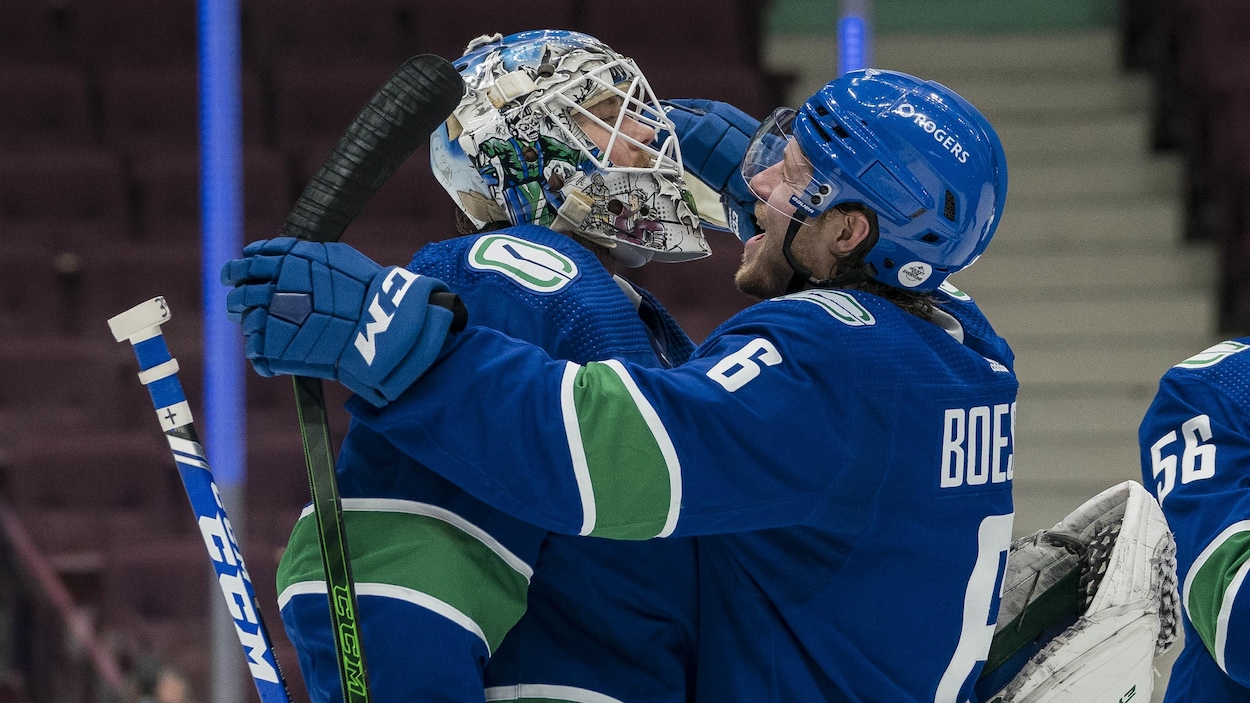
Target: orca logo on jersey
x=366 y=342
x=1213 y=355
x=978 y=445
x=534 y=266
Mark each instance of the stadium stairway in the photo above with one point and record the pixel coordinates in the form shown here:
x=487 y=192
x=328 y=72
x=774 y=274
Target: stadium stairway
x=1087 y=277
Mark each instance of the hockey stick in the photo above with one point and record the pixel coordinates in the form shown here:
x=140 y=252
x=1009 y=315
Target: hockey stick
x=141 y=326
x=390 y=127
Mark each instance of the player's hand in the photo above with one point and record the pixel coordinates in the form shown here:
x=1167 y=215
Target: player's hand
x=714 y=137
x=326 y=310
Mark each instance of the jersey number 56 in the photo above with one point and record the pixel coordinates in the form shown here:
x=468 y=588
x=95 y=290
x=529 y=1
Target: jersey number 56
x=1197 y=460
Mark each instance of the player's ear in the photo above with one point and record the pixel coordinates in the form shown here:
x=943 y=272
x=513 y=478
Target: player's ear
x=849 y=229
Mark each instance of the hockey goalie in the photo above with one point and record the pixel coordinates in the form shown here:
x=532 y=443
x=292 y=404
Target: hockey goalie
x=1086 y=606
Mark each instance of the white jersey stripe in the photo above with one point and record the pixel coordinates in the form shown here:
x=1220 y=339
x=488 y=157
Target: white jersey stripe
x=571 y=694
x=577 y=452
x=1226 y=611
x=386 y=590
x=411 y=507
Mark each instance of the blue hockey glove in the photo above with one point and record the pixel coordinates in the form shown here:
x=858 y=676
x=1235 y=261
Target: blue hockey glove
x=714 y=138
x=326 y=310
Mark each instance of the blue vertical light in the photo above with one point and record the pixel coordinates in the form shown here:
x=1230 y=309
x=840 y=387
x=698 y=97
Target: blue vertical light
x=854 y=37
x=221 y=216
x=221 y=179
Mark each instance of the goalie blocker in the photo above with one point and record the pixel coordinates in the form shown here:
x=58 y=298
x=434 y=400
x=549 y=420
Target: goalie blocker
x=1086 y=606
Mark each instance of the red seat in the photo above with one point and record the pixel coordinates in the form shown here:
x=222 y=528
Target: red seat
x=133 y=32
x=314 y=107
x=156 y=579
x=72 y=184
x=44 y=106
x=713 y=33
x=167 y=190
x=104 y=471
x=148 y=109
x=447 y=26
x=32 y=31
x=301 y=34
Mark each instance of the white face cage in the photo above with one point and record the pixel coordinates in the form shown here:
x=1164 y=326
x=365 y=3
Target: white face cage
x=638 y=103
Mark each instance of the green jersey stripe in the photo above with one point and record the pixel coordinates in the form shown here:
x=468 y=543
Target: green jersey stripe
x=545 y=693
x=385 y=590
x=630 y=461
x=660 y=433
x=573 y=434
x=1212 y=585
x=455 y=568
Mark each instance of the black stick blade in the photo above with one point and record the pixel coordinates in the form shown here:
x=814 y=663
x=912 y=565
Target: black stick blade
x=391 y=126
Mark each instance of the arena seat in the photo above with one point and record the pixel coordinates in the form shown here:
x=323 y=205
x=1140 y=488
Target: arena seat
x=44 y=106
x=154 y=108
x=445 y=27
x=148 y=33
x=303 y=36
x=81 y=184
x=32 y=31
x=156 y=578
x=101 y=471
x=314 y=107
x=717 y=33
x=167 y=189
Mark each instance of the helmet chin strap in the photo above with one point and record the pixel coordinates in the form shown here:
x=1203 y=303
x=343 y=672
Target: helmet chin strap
x=803 y=277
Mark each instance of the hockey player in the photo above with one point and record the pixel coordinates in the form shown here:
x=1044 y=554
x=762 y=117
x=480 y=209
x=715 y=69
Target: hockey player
x=555 y=126
x=1195 y=458
x=845 y=447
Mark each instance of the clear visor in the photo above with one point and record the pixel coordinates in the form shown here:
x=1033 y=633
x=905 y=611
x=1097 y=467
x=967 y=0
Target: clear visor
x=616 y=97
x=780 y=176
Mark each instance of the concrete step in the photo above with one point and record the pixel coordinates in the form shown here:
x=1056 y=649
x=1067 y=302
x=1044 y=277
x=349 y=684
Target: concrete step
x=1042 y=502
x=1042 y=98
x=1119 y=137
x=1089 y=419
x=1042 y=322
x=1145 y=225
x=1073 y=275
x=1075 y=54
x=1094 y=181
x=1125 y=369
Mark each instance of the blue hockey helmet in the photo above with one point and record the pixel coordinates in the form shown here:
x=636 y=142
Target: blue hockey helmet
x=533 y=142
x=921 y=157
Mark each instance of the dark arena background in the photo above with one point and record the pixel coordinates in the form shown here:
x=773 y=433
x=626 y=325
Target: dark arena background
x=105 y=591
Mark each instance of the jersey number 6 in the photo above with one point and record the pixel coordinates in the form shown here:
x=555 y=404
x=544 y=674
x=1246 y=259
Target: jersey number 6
x=737 y=369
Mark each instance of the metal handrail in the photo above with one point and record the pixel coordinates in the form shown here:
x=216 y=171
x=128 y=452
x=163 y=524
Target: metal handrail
x=50 y=587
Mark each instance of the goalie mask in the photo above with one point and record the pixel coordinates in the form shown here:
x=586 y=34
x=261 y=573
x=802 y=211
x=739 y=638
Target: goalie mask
x=556 y=129
x=1086 y=606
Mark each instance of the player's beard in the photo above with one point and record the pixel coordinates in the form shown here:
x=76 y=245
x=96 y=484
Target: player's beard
x=764 y=272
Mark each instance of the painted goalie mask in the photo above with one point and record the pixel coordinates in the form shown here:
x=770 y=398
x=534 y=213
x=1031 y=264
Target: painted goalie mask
x=556 y=129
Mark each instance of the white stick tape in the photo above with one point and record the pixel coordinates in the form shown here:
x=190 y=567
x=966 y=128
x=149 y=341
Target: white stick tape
x=176 y=415
x=137 y=323
x=156 y=373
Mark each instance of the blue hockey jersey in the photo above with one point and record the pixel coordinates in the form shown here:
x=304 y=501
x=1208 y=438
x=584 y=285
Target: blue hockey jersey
x=1195 y=458
x=442 y=578
x=847 y=465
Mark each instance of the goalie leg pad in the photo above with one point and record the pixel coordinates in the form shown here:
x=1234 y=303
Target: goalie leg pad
x=1112 y=564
